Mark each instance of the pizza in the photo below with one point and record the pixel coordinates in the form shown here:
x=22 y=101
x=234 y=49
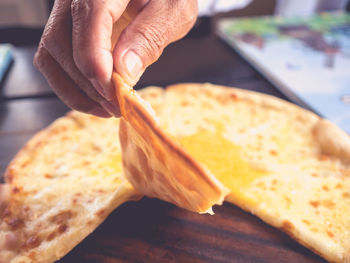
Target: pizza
x=282 y=163
x=60 y=187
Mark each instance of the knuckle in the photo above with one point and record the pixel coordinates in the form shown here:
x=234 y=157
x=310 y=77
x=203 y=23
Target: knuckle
x=52 y=39
x=40 y=58
x=86 y=65
x=153 y=40
x=189 y=12
x=79 y=8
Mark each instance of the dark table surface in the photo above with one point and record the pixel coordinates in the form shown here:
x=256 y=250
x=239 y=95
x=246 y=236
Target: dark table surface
x=151 y=230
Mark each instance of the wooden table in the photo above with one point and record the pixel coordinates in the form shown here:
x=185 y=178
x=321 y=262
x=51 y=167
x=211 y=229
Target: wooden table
x=151 y=230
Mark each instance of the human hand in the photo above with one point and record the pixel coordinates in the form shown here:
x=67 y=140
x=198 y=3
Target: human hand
x=77 y=53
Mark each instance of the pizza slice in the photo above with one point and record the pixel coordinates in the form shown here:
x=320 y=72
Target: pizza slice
x=284 y=164
x=65 y=181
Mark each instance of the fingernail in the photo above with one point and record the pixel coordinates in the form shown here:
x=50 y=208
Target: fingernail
x=99 y=112
x=133 y=65
x=112 y=107
x=106 y=90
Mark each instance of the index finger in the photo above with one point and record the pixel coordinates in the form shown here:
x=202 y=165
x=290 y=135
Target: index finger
x=91 y=40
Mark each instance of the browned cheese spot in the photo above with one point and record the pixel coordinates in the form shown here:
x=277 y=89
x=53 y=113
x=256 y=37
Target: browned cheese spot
x=96 y=148
x=314 y=203
x=330 y=234
x=328 y=204
x=62 y=217
x=86 y=163
x=32 y=256
x=48 y=176
x=16 y=190
x=287 y=226
x=185 y=103
x=314 y=175
x=32 y=242
x=323 y=157
x=307 y=222
x=233 y=96
x=25 y=164
x=14 y=223
x=339 y=186
x=273 y=152
x=62 y=228
x=51 y=236
x=101 y=213
x=346 y=195
x=325 y=187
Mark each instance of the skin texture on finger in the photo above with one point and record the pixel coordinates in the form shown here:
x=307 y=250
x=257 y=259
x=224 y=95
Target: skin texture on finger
x=91 y=38
x=57 y=40
x=159 y=23
x=64 y=86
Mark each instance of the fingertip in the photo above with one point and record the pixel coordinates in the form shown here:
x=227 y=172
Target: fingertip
x=129 y=65
x=132 y=65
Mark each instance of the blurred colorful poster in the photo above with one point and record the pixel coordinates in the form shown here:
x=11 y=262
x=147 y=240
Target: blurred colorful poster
x=308 y=58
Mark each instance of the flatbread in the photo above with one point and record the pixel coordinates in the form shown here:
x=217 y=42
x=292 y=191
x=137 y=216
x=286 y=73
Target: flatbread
x=155 y=164
x=60 y=187
x=282 y=163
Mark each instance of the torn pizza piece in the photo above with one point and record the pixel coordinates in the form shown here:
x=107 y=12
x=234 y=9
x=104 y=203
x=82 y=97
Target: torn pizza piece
x=154 y=162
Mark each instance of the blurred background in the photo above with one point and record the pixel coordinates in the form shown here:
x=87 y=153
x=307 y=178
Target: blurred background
x=22 y=21
x=247 y=51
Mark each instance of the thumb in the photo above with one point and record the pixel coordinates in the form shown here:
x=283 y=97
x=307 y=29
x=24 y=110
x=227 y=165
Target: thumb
x=144 y=39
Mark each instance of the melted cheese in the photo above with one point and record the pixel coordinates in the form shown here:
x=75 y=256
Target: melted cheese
x=223 y=159
x=110 y=166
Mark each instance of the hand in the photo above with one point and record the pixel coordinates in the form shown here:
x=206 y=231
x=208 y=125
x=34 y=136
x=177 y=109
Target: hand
x=77 y=55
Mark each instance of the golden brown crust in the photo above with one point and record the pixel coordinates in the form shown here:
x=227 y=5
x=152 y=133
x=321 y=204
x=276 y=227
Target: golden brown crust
x=333 y=141
x=157 y=166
